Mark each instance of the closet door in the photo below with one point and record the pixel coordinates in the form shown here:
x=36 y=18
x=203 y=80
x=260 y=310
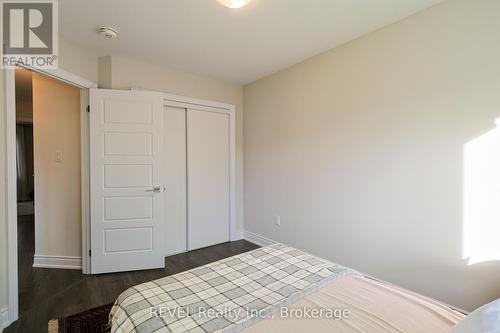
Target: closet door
x=208 y=178
x=175 y=179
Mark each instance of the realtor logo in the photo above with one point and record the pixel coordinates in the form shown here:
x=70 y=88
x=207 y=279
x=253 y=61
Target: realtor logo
x=29 y=34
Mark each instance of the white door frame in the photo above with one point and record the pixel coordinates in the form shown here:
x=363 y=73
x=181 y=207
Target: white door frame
x=10 y=166
x=211 y=106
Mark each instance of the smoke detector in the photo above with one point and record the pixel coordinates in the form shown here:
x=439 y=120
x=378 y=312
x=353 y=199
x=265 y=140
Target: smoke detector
x=108 y=32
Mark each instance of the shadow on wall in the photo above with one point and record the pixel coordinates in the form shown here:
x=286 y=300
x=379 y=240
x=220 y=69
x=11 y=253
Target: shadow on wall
x=481 y=195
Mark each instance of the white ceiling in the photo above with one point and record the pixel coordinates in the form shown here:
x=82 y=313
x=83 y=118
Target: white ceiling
x=235 y=45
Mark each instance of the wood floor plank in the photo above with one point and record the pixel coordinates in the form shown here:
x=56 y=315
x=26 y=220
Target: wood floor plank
x=46 y=294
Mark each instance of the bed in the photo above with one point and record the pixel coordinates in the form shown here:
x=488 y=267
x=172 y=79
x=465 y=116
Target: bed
x=276 y=289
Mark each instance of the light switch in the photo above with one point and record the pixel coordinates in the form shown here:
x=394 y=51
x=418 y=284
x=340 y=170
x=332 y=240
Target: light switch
x=59 y=156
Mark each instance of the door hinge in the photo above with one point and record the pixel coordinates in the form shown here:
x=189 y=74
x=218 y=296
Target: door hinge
x=90 y=253
x=88 y=108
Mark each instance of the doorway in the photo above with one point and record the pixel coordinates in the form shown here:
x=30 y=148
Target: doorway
x=48 y=167
x=16 y=272
x=25 y=182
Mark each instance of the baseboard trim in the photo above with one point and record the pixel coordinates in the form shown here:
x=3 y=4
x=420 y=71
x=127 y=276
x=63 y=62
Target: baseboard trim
x=257 y=239
x=4 y=318
x=236 y=236
x=175 y=252
x=61 y=262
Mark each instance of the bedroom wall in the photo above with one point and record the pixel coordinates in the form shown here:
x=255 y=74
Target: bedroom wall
x=360 y=150
x=77 y=60
x=56 y=127
x=127 y=73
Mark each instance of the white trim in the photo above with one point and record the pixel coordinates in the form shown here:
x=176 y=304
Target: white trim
x=187 y=178
x=4 y=318
x=234 y=234
x=85 y=179
x=171 y=100
x=176 y=252
x=10 y=161
x=65 y=76
x=198 y=107
x=189 y=102
x=40 y=261
x=257 y=239
x=238 y=235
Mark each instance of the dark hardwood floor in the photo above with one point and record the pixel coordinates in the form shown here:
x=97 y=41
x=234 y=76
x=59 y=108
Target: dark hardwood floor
x=46 y=294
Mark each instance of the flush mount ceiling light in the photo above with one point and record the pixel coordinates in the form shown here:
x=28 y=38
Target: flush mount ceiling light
x=233 y=3
x=108 y=32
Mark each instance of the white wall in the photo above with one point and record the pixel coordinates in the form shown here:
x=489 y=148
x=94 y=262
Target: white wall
x=56 y=127
x=128 y=73
x=78 y=60
x=360 y=150
x=3 y=220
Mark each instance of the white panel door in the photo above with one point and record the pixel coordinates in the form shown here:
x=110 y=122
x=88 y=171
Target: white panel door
x=175 y=179
x=208 y=178
x=127 y=187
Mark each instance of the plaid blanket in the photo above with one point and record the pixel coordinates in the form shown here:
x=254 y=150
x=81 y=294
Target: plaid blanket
x=224 y=296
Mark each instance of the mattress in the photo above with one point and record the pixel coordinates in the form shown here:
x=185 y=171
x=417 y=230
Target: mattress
x=227 y=295
x=275 y=289
x=373 y=307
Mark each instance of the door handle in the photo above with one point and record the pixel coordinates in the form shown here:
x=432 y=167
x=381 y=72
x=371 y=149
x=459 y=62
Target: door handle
x=155 y=189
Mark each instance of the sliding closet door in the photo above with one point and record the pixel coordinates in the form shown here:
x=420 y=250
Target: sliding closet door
x=208 y=178
x=175 y=178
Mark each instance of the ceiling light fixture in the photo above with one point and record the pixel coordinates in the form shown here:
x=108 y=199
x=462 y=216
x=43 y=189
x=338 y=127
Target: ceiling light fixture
x=233 y=3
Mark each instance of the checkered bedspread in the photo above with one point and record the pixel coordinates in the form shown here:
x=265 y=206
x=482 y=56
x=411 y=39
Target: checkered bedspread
x=224 y=296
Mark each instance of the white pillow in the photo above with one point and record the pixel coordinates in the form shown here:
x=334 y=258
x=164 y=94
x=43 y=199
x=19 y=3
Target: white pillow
x=486 y=319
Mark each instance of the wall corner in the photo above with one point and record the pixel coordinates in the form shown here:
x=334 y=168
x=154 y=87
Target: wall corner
x=105 y=80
